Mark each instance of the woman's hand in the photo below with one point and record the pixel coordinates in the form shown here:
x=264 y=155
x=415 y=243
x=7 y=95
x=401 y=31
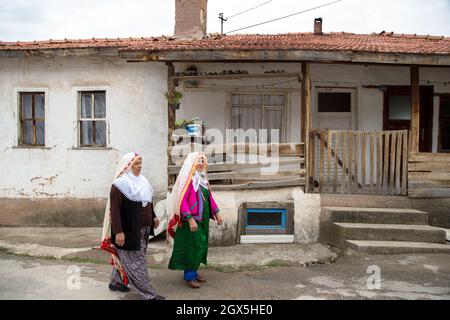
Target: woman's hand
x=219 y=219
x=120 y=239
x=192 y=225
x=155 y=223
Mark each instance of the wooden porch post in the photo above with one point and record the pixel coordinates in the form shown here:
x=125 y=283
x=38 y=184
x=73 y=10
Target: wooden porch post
x=415 y=112
x=170 y=115
x=306 y=119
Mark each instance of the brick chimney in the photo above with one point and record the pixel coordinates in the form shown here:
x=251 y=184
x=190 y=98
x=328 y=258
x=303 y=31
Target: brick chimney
x=190 y=19
x=318 y=26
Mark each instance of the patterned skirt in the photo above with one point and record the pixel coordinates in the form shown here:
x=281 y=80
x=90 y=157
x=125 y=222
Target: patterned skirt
x=135 y=266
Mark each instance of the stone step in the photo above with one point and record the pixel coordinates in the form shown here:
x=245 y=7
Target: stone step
x=376 y=215
x=395 y=247
x=389 y=232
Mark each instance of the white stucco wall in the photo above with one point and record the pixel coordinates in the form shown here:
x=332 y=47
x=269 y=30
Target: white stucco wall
x=306 y=208
x=136 y=113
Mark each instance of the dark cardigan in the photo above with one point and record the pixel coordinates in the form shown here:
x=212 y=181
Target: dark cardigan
x=129 y=217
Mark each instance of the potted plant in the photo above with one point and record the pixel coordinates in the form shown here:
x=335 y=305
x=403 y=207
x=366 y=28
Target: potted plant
x=195 y=127
x=174 y=101
x=181 y=124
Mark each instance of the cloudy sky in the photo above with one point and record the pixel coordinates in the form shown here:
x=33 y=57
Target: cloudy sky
x=74 y=19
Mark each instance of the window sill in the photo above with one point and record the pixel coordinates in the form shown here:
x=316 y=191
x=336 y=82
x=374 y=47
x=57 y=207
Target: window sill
x=91 y=148
x=32 y=147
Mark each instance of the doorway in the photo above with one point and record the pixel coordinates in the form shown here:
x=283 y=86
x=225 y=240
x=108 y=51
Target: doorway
x=397 y=112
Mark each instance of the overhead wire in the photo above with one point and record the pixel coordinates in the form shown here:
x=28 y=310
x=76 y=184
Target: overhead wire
x=284 y=17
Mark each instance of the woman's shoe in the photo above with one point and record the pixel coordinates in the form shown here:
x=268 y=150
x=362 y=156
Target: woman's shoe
x=193 y=284
x=200 y=278
x=118 y=287
x=158 y=297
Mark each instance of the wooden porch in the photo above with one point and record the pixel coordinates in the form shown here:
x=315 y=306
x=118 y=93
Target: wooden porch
x=383 y=162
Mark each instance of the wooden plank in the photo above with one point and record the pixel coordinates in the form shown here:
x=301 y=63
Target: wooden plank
x=261 y=184
x=363 y=161
x=429 y=166
x=219 y=167
x=398 y=163
x=428 y=176
x=344 y=161
x=350 y=163
x=312 y=161
x=429 y=184
x=330 y=145
x=429 y=192
x=415 y=110
x=372 y=138
x=379 y=161
x=392 y=162
x=336 y=155
x=322 y=149
x=282 y=149
x=386 y=162
x=425 y=157
x=357 y=163
x=257 y=176
x=405 y=163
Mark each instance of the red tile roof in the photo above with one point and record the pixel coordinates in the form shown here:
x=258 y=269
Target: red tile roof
x=383 y=42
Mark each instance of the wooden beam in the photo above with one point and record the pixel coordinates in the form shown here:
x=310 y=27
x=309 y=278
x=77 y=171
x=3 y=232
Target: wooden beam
x=306 y=121
x=287 y=55
x=241 y=76
x=415 y=110
x=170 y=114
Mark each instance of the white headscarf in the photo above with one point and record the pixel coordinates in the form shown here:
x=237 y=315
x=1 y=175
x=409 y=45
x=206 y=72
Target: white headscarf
x=134 y=188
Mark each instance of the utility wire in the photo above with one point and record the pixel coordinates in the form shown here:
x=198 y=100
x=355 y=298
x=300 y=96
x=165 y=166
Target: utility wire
x=237 y=14
x=293 y=14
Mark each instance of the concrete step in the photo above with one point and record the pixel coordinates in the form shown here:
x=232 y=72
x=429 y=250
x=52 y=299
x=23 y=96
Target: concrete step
x=390 y=232
x=376 y=215
x=395 y=247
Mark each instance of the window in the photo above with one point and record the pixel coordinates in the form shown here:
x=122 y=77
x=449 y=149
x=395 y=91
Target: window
x=92 y=119
x=399 y=107
x=32 y=118
x=334 y=102
x=258 y=111
x=444 y=124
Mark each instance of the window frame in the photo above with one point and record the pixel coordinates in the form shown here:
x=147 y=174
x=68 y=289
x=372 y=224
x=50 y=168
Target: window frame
x=284 y=109
x=80 y=94
x=21 y=119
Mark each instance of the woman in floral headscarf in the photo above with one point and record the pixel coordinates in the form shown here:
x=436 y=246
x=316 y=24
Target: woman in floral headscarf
x=128 y=223
x=192 y=206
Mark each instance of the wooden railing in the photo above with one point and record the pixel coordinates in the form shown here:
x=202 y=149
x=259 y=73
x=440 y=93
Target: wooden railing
x=358 y=162
x=247 y=165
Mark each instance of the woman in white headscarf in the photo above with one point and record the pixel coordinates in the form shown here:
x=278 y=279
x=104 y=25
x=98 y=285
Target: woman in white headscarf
x=192 y=206
x=128 y=223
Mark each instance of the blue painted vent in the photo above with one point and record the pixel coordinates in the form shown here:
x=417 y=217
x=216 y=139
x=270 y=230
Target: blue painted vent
x=266 y=219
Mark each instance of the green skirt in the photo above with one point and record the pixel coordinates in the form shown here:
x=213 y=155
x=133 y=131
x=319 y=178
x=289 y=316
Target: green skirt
x=191 y=248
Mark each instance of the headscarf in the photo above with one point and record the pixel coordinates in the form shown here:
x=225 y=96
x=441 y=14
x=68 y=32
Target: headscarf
x=135 y=189
x=181 y=185
x=187 y=174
